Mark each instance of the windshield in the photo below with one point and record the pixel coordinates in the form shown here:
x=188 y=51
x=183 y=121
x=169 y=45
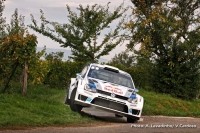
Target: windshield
x=110 y=76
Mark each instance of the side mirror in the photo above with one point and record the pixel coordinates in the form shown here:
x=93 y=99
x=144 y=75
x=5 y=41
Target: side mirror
x=78 y=74
x=136 y=90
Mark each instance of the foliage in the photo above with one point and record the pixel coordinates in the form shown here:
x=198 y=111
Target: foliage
x=168 y=33
x=145 y=72
x=2 y=30
x=124 y=59
x=139 y=67
x=49 y=69
x=38 y=68
x=54 y=56
x=141 y=73
x=60 y=73
x=18 y=47
x=82 y=31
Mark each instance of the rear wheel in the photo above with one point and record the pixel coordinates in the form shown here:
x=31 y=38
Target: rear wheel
x=73 y=106
x=130 y=120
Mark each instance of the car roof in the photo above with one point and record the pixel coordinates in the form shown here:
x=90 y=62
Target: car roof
x=111 y=67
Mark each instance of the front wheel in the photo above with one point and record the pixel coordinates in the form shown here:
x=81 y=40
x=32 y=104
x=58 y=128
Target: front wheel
x=74 y=107
x=130 y=120
x=67 y=101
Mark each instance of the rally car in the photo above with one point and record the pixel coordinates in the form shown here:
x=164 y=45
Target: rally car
x=105 y=87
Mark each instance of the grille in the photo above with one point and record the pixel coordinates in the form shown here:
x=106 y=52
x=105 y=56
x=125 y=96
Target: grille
x=110 y=104
x=135 y=112
x=111 y=100
x=109 y=94
x=81 y=97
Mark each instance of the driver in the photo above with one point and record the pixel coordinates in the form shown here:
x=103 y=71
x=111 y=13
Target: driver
x=92 y=73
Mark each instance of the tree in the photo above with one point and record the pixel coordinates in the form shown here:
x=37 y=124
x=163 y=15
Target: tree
x=2 y=30
x=38 y=68
x=18 y=48
x=139 y=67
x=168 y=32
x=124 y=58
x=82 y=31
x=54 y=56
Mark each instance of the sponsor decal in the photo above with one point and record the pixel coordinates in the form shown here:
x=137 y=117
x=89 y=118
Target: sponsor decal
x=133 y=105
x=88 y=100
x=130 y=111
x=112 y=95
x=113 y=89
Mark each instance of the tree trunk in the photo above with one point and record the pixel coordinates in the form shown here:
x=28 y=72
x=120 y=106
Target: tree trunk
x=22 y=78
x=25 y=78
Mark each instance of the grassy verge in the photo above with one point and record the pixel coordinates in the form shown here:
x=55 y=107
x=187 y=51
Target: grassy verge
x=41 y=107
x=162 y=104
x=45 y=107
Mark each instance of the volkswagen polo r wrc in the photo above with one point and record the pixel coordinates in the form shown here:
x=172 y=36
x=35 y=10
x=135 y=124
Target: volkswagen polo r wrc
x=105 y=87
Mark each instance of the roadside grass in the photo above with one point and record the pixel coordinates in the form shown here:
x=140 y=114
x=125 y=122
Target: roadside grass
x=163 y=104
x=41 y=107
x=44 y=106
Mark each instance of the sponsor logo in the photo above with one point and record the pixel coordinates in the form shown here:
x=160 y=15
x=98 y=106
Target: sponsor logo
x=112 y=95
x=113 y=89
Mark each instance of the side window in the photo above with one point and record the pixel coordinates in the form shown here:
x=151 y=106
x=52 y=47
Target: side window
x=84 y=71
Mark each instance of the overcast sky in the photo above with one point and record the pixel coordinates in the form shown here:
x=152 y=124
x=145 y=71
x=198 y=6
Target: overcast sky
x=54 y=10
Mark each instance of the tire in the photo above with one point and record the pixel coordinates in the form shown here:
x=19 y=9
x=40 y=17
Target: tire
x=74 y=107
x=67 y=101
x=130 y=120
x=118 y=116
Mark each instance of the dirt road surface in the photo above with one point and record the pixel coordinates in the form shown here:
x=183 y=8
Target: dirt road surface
x=147 y=124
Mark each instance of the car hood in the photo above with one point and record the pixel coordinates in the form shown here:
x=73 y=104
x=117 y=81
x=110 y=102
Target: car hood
x=111 y=87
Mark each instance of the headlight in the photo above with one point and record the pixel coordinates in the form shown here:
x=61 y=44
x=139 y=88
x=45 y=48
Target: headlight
x=133 y=99
x=90 y=87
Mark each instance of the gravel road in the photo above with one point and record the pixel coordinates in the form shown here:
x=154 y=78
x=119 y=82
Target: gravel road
x=147 y=124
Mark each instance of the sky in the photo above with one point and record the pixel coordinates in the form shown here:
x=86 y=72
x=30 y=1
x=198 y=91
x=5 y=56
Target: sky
x=54 y=10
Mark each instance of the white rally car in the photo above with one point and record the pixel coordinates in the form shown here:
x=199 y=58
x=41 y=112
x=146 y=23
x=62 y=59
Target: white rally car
x=107 y=88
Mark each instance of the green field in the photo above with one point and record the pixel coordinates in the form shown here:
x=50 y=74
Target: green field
x=45 y=107
x=163 y=104
x=41 y=107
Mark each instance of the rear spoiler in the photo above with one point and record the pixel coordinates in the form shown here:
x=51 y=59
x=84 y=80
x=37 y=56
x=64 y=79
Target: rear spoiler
x=111 y=69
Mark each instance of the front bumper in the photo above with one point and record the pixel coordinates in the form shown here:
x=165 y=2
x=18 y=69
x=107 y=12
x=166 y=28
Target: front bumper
x=103 y=100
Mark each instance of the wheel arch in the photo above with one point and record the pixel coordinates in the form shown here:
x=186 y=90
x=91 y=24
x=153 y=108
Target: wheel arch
x=73 y=84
